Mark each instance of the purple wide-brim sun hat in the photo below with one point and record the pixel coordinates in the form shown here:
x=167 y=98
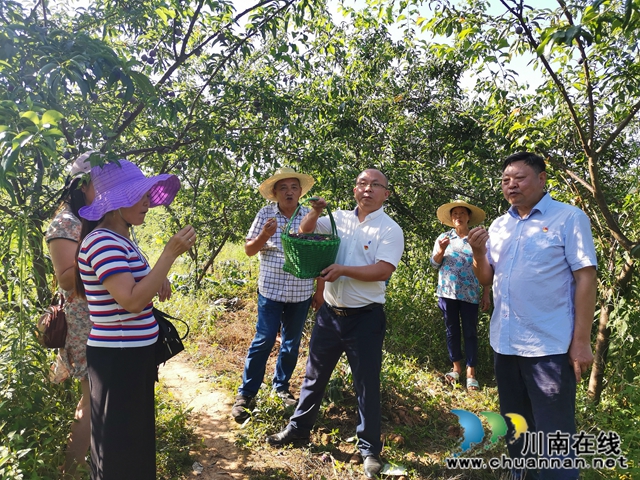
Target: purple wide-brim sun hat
x=122 y=186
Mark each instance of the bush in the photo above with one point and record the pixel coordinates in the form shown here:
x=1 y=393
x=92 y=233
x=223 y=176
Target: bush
x=35 y=414
x=174 y=437
x=415 y=327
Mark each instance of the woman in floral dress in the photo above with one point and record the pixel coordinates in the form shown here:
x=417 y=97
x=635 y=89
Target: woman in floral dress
x=458 y=288
x=62 y=238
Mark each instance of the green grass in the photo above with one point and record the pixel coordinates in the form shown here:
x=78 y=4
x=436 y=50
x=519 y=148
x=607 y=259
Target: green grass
x=174 y=437
x=418 y=427
x=420 y=431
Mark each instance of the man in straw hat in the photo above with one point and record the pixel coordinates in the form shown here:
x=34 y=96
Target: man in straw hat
x=283 y=300
x=542 y=261
x=352 y=319
x=458 y=289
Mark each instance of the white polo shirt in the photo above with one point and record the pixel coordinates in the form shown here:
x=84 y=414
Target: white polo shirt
x=377 y=238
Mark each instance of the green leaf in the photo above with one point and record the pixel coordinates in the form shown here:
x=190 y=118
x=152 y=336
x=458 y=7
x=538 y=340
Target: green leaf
x=52 y=132
x=81 y=82
x=143 y=83
x=163 y=15
x=571 y=33
x=21 y=139
x=47 y=68
x=52 y=117
x=126 y=81
x=587 y=37
x=32 y=116
x=628 y=10
x=9 y=159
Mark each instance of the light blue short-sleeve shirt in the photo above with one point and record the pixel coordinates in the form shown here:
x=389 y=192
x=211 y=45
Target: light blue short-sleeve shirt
x=533 y=286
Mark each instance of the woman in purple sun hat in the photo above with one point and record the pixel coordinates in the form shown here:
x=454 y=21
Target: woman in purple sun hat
x=119 y=286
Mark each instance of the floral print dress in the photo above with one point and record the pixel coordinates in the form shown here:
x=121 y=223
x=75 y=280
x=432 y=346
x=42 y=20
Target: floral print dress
x=72 y=359
x=456 y=279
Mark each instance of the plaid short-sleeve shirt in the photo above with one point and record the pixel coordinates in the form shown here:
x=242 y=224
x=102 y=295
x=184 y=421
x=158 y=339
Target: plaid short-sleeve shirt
x=274 y=283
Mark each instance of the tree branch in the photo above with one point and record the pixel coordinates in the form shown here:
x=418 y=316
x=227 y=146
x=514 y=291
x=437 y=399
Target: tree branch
x=563 y=167
x=556 y=80
x=587 y=75
x=621 y=126
x=8 y=211
x=224 y=59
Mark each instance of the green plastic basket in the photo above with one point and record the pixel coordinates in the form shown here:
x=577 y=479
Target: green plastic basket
x=307 y=256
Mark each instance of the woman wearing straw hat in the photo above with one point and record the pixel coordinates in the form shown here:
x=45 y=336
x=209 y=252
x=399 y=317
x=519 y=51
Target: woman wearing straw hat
x=458 y=288
x=62 y=237
x=119 y=286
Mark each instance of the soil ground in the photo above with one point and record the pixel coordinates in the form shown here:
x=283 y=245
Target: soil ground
x=229 y=452
x=219 y=456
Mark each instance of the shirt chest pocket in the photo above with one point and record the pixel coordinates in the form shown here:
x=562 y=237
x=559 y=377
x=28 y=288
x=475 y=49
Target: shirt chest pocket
x=540 y=246
x=368 y=251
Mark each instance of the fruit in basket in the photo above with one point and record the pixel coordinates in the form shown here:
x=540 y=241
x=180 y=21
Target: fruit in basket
x=310 y=236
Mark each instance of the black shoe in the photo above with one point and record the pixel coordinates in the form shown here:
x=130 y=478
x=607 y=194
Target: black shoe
x=286 y=397
x=372 y=466
x=240 y=410
x=287 y=436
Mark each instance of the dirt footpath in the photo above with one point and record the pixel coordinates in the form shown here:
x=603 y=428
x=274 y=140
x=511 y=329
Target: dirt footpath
x=220 y=458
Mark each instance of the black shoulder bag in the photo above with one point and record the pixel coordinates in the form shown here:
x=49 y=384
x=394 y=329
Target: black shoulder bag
x=169 y=340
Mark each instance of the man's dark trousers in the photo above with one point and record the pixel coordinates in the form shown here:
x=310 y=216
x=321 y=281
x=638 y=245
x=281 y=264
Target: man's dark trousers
x=360 y=336
x=543 y=391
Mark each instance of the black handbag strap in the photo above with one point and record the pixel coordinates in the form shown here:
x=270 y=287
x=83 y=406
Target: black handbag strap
x=159 y=312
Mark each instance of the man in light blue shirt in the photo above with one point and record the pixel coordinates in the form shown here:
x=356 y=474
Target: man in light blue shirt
x=542 y=262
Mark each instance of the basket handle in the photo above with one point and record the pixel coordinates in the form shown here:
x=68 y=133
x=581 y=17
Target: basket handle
x=334 y=229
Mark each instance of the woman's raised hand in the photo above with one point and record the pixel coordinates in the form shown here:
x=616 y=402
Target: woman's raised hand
x=181 y=241
x=443 y=244
x=164 y=293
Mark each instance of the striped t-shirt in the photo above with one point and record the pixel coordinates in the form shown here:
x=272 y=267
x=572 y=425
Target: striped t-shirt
x=104 y=253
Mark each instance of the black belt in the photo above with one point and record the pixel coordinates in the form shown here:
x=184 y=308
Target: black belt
x=346 y=312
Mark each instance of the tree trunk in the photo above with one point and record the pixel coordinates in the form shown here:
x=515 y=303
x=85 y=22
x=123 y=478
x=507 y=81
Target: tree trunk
x=212 y=257
x=39 y=264
x=602 y=348
x=621 y=285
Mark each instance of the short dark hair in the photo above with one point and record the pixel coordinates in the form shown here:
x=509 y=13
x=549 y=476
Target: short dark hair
x=534 y=161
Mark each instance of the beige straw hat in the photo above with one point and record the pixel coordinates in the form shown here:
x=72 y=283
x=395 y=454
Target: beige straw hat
x=444 y=213
x=266 y=187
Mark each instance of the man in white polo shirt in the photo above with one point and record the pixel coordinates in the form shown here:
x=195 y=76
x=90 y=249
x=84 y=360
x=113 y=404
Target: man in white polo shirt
x=352 y=319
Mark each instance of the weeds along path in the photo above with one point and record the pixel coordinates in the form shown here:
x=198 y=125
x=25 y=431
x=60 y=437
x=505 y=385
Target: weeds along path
x=220 y=458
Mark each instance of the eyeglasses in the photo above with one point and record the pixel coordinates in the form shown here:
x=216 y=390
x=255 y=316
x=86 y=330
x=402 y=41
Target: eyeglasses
x=373 y=185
